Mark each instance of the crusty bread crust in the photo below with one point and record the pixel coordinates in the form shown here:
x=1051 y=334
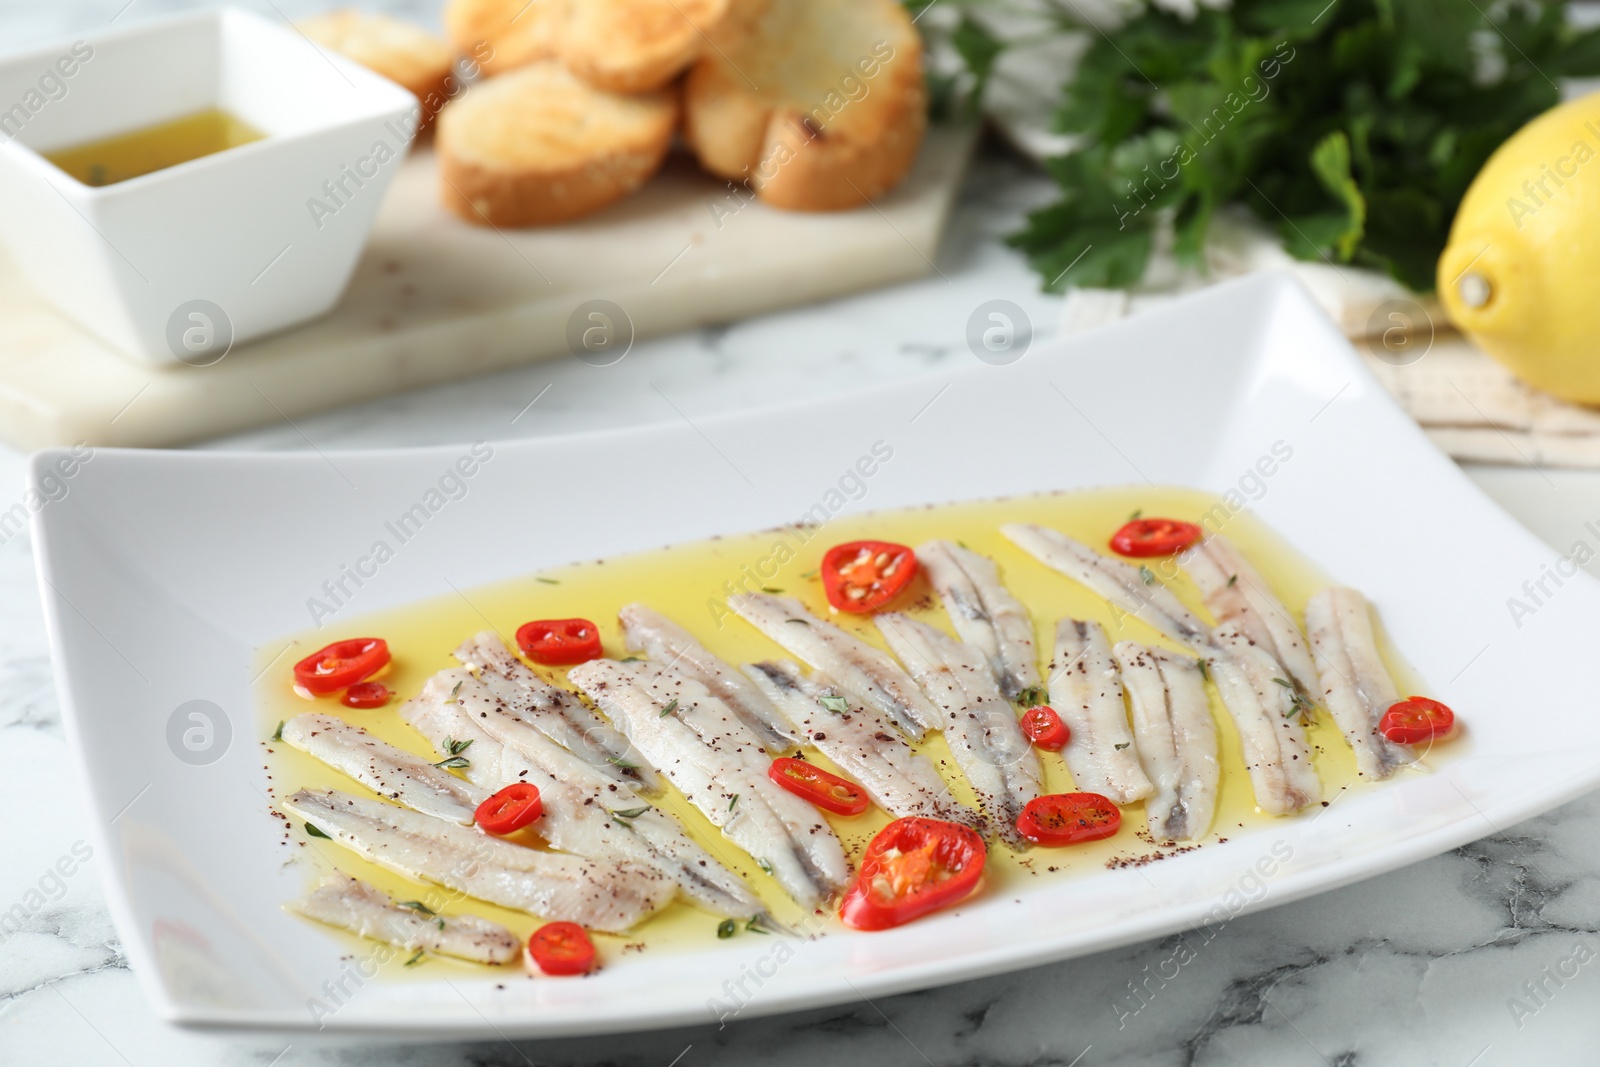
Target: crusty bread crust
x=839 y=113
x=631 y=46
x=539 y=146
x=503 y=35
x=401 y=52
x=624 y=46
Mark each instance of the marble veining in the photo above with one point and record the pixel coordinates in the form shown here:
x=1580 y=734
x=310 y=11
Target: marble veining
x=1488 y=955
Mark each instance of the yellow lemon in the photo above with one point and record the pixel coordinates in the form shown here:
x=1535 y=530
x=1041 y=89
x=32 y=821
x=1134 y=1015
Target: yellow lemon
x=1521 y=274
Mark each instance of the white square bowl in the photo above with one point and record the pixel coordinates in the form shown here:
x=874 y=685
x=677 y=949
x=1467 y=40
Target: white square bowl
x=162 y=573
x=234 y=237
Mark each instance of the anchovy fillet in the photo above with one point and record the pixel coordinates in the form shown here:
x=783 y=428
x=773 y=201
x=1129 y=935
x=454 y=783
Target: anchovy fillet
x=864 y=672
x=386 y=770
x=609 y=896
x=984 y=612
x=367 y=911
x=1354 y=683
x=668 y=643
x=1235 y=592
x=1086 y=691
x=720 y=766
x=1176 y=737
x=1124 y=586
x=980 y=725
x=580 y=802
x=864 y=746
x=559 y=714
x=1262 y=705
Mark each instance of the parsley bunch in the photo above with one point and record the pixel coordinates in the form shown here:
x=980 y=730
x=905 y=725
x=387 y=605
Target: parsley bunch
x=1353 y=127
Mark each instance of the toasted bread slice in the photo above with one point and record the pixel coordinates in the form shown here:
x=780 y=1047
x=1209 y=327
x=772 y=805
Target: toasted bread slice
x=631 y=46
x=820 y=106
x=539 y=145
x=401 y=52
x=502 y=35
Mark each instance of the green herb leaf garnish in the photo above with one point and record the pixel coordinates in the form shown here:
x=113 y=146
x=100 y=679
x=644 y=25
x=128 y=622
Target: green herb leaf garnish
x=547 y=581
x=417 y=906
x=414 y=960
x=1147 y=576
x=734 y=803
x=672 y=706
x=726 y=929
x=1372 y=117
x=629 y=813
x=836 y=704
x=277 y=735
x=312 y=831
x=454 y=763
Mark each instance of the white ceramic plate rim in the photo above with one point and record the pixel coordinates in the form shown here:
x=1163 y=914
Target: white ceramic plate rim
x=1276 y=359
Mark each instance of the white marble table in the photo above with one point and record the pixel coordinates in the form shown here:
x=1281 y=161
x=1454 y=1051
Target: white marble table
x=1453 y=961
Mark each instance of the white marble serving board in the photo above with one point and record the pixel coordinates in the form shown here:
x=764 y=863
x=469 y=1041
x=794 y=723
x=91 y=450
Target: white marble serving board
x=435 y=299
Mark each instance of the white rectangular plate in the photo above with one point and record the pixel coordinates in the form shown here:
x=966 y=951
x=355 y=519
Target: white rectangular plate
x=163 y=572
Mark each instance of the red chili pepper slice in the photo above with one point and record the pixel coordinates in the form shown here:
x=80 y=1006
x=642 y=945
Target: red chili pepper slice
x=863 y=576
x=914 y=866
x=1068 y=818
x=560 y=642
x=509 y=810
x=1045 y=728
x=366 y=695
x=827 y=791
x=561 y=948
x=1416 y=719
x=1154 y=537
x=341 y=664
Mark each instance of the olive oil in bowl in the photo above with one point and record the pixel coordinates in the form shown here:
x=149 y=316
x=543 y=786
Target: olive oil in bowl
x=152 y=148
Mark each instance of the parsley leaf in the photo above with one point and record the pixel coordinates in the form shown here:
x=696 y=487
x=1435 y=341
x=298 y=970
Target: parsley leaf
x=1352 y=127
